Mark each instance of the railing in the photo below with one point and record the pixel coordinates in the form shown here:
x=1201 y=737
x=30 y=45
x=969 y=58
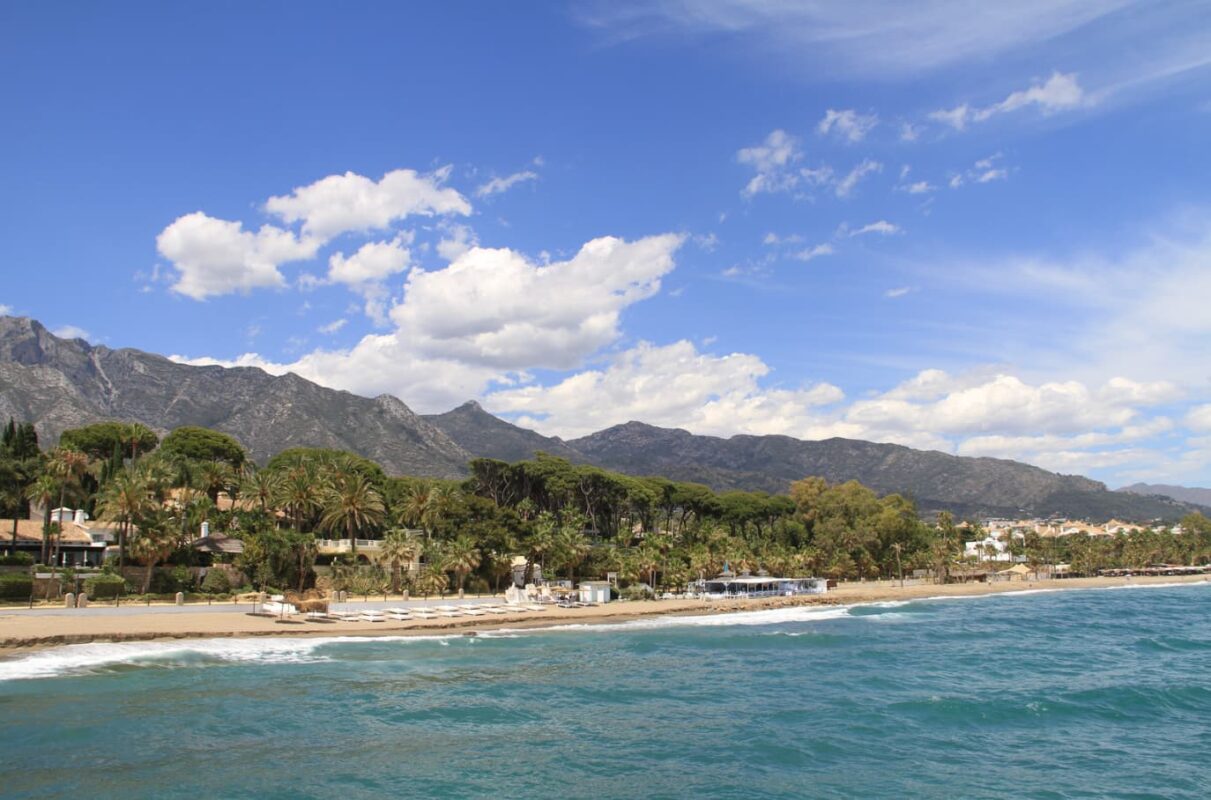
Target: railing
x=345 y=545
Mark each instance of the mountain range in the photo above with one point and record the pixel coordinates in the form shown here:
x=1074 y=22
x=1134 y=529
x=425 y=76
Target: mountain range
x=64 y=383
x=1185 y=494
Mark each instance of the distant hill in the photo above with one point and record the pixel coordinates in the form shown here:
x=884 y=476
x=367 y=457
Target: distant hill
x=59 y=383
x=1185 y=494
x=934 y=480
x=478 y=432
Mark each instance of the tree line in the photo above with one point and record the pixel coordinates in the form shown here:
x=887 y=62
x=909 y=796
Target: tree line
x=570 y=520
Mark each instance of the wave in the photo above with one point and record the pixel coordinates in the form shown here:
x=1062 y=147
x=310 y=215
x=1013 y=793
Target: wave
x=84 y=659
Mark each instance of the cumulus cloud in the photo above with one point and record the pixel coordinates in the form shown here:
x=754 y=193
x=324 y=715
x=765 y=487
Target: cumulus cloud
x=494 y=307
x=1199 y=418
x=71 y=332
x=847 y=124
x=373 y=262
x=499 y=185
x=488 y=318
x=1060 y=92
x=351 y=202
x=457 y=239
x=673 y=385
x=215 y=256
x=5 y=310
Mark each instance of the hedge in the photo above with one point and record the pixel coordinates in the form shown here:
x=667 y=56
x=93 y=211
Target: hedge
x=16 y=587
x=105 y=587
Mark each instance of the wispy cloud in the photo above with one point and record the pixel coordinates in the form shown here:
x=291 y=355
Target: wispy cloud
x=847 y=124
x=499 y=185
x=1057 y=93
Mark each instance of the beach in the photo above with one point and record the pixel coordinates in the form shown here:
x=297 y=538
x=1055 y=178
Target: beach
x=25 y=630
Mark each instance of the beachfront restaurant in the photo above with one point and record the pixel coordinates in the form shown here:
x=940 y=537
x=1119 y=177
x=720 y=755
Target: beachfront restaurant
x=761 y=586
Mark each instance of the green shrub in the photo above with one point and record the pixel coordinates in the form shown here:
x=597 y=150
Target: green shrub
x=216 y=582
x=637 y=591
x=105 y=587
x=477 y=585
x=16 y=587
x=171 y=581
x=17 y=560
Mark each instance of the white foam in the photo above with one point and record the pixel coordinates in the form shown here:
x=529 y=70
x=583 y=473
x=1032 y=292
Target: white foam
x=78 y=659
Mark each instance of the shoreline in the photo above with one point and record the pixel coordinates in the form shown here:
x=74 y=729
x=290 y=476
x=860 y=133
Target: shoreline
x=24 y=633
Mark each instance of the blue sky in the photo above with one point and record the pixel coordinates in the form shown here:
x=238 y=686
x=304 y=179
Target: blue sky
x=986 y=234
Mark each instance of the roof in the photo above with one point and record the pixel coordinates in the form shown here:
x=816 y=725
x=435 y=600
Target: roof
x=1017 y=569
x=218 y=543
x=30 y=530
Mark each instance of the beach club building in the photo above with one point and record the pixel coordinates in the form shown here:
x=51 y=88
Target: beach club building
x=726 y=586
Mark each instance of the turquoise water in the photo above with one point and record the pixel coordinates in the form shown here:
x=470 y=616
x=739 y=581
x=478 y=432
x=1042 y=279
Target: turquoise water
x=1101 y=693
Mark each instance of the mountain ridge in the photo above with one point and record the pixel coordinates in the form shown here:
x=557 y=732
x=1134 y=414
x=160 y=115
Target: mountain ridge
x=62 y=383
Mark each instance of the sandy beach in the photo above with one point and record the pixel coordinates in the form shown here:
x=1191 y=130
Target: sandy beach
x=23 y=630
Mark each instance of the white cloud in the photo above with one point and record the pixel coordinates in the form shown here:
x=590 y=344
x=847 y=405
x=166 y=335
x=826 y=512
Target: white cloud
x=909 y=132
x=881 y=227
x=367 y=270
x=71 y=332
x=771 y=160
x=372 y=263
x=673 y=385
x=880 y=38
x=499 y=185
x=352 y=202
x=494 y=307
x=334 y=326
x=215 y=256
x=919 y=187
x=847 y=124
x=814 y=252
x=458 y=239
x=1060 y=92
x=5 y=310
x=773 y=239
x=898 y=291
x=986 y=170
x=1199 y=418
x=846 y=185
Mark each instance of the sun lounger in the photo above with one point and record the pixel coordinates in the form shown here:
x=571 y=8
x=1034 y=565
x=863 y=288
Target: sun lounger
x=498 y=610
x=318 y=616
x=345 y=616
x=372 y=616
x=535 y=607
x=402 y=615
x=424 y=613
x=475 y=612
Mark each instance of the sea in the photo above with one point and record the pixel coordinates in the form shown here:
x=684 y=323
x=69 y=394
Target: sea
x=1074 y=694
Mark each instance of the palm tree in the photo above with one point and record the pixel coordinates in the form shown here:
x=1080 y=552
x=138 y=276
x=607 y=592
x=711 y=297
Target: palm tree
x=155 y=540
x=133 y=433
x=432 y=580
x=124 y=498
x=67 y=466
x=352 y=504
x=461 y=556
x=425 y=506
x=216 y=476
x=572 y=548
x=300 y=494
x=400 y=547
x=42 y=493
x=261 y=485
